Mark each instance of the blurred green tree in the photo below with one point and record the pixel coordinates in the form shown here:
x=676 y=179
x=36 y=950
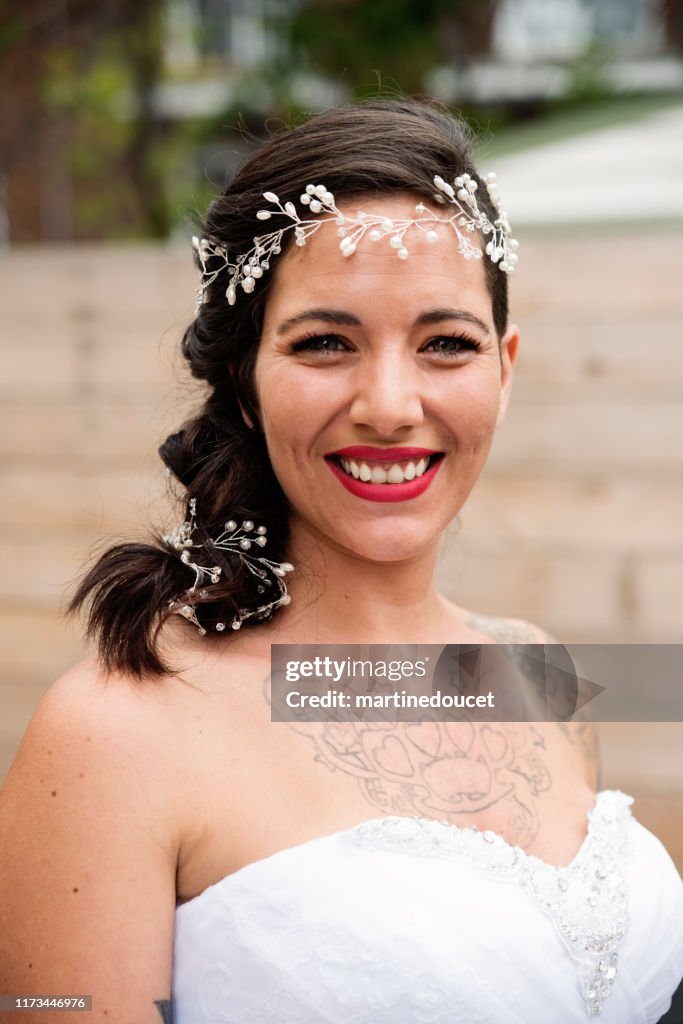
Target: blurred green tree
x=401 y=38
x=66 y=68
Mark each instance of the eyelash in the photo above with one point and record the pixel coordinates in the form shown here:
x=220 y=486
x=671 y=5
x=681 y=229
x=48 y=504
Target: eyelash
x=308 y=342
x=468 y=344
x=314 y=343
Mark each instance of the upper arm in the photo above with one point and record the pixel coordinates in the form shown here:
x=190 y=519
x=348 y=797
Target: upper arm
x=88 y=854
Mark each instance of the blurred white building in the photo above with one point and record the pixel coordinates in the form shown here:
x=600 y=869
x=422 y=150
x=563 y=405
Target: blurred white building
x=531 y=30
x=536 y=49
x=214 y=45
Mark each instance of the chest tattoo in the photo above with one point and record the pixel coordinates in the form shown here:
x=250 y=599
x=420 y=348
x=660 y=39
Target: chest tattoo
x=445 y=770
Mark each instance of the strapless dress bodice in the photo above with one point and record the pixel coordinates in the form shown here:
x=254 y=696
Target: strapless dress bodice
x=411 y=921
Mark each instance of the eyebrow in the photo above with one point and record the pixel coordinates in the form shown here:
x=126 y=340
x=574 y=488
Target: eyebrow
x=340 y=318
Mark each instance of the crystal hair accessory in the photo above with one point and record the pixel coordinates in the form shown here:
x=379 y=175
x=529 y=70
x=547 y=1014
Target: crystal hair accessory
x=236 y=540
x=465 y=222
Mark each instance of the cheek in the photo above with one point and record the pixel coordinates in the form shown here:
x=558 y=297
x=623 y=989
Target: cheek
x=276 y=399
x=296 y=405
x=287 y=431
x=277 y=413
x=473 y=413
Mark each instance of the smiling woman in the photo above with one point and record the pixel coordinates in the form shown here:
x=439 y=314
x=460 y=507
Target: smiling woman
x=352 y=327
x=386 y=376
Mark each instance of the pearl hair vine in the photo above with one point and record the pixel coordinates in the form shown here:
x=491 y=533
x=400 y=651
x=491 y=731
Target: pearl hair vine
x=467 y=220
x=237 y=540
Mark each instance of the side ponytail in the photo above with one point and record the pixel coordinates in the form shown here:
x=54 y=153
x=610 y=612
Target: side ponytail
x=225 y=468
x=129 y=588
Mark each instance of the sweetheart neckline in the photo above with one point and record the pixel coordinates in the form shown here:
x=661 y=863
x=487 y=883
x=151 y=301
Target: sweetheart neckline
x=419 y=823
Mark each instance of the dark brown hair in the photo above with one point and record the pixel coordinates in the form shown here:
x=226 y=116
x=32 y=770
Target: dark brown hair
x=381 y=146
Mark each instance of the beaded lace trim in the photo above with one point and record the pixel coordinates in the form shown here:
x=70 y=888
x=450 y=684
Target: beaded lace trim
x=586 y=900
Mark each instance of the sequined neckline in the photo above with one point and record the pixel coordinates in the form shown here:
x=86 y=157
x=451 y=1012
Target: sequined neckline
x=477 y=837
x=400 y=822
x=586 y=899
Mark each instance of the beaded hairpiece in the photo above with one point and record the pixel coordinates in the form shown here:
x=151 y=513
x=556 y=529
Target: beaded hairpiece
x=467 y=220
x=236 y=540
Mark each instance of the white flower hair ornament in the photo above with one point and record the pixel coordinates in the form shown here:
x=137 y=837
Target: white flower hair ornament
x=237 y=540
x=466 y=222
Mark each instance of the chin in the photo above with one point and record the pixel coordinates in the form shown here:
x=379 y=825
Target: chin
x=392 y=543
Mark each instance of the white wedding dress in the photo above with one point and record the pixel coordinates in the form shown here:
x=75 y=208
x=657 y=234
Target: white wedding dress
x=410 y=921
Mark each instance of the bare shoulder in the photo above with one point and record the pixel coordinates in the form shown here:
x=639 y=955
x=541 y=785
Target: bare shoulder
x=89 y=719
x=95 y=750
x=90 y=825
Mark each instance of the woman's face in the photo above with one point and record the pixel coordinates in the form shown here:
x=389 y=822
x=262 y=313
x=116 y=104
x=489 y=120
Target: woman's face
x=380 y=383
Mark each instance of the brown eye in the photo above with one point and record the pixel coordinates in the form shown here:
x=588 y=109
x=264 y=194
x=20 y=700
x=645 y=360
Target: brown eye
x=322 y=343
x=452 y=346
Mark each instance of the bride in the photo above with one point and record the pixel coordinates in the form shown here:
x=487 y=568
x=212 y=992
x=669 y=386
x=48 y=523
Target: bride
x=169 y=849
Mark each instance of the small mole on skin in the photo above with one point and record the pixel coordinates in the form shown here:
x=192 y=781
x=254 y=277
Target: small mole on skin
x=49 y=751
x=81 y=775
x=30 y=965
x=54 y=792
x=74 y=890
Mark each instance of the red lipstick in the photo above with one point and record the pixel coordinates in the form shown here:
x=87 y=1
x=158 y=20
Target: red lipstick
x=362 y=451
x=385 y=492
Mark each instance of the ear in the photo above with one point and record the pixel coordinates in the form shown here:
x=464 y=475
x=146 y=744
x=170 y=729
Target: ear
x=508 y=354
x=247 y=411
x=247 y=418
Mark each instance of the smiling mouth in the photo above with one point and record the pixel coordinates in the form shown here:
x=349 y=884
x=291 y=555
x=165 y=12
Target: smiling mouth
x=373 y=471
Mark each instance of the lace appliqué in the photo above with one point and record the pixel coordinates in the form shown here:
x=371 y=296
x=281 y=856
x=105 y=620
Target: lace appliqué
x=586 y=900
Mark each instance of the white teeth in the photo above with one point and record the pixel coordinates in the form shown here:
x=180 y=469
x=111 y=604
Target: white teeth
x=396 y=473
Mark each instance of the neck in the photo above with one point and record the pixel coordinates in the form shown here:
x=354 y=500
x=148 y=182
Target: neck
x=339 y=597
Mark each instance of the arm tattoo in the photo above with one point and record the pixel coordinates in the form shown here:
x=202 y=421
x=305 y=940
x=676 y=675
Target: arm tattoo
x=166 y=1008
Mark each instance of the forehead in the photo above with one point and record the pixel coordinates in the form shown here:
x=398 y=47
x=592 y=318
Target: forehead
x=374 y=281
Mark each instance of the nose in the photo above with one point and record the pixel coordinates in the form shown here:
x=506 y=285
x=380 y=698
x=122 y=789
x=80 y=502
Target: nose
x=387 y=395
